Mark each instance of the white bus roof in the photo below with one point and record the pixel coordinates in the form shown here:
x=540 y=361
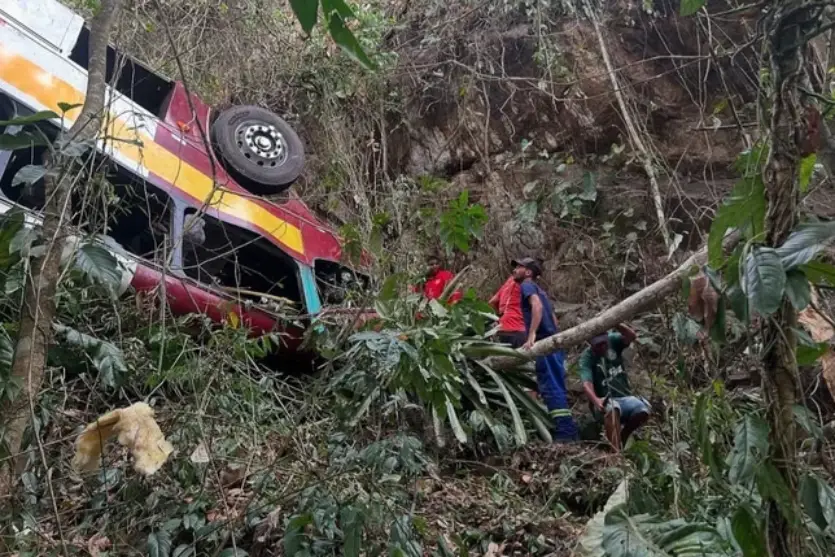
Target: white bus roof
x=48 y=20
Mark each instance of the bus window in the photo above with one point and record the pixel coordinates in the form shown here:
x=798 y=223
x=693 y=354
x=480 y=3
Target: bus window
x=135 y=81
x=140 y=221
x=239 y=261
x=337 y=282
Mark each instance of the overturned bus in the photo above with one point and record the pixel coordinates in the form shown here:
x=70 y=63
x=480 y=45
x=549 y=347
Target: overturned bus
x=191 y=216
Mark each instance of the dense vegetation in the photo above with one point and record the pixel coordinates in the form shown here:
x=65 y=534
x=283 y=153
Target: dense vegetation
x=404 y=440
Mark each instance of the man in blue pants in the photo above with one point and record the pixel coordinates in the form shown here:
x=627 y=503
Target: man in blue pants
x=540 y=323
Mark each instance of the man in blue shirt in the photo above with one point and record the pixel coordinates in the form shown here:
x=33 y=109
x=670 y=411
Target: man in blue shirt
x=541 y=323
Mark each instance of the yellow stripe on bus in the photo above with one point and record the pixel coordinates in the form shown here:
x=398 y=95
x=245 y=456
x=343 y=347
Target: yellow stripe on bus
x=49 y=90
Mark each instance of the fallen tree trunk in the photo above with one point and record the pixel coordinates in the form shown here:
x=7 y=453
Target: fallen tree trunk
x=648 y=298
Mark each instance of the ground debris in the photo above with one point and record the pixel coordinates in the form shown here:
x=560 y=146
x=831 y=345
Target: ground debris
x=136 y=429
x=518 y=504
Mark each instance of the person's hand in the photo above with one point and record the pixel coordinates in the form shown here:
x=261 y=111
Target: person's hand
x=598 y=403
x=529 y=343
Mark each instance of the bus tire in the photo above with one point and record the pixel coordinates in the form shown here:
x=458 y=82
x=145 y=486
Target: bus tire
x=259 y=149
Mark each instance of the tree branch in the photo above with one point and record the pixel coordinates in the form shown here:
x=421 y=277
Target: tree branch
x=648 y=298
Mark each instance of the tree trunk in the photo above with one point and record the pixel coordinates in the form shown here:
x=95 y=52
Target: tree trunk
x=793 y=120
x=38 y=310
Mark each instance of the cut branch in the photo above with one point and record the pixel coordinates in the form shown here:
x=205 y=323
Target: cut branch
x=648 y=298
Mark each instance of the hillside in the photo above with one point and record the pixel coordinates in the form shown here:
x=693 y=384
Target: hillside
x=581 y=133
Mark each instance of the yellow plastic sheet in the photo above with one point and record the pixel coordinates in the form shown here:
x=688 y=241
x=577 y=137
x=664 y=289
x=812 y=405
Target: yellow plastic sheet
x=135 y=429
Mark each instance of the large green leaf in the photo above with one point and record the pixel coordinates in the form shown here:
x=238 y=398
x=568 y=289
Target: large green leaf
x=37 y=117
x=340 y=7
x=808 y=421
x=744 y=208
x=646 y=536
x=22 y=140
x=107 y=358
x=336 y=13
x=689 y=7
x=591 y=541
x=765 y=280
x=452 y=416
x=739 y=303
x=805 y=243
x=518 y=426
x=747 y=533
x=717 y=331
x=798 y=290
x=306 y=12
x=99 y=264
x=819 y=272
x=807 y=168
x=10 y=226
x=535 y=411
x=159 y=544
x=772 y=485
x=351 y=521
x=750 y=446
x=807 y=355
x=29 y=174
x=818 y=500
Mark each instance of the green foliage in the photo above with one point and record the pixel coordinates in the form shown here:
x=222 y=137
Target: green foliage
x=424 y=348
x=764 y=280
x=36 y=118
x=748 y=532
x=159 y=544
x=351 y=242
x=307 y=13
x=29 y=174
x=818 y=499
x=744 y=208
x=336 y=14
x=685 y=328
x=807 y=168
x=567 y=202
x=105 y=356
x=461 y=223
x=10 y=387
x=805 y=243
x=797 y=289
x=645 y=535
x=690 y=7
x=99 y=265
x=750 y=448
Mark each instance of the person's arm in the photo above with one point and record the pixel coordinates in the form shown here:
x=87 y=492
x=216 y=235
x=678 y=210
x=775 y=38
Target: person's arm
x=628 y=335
x=536 y=319
x=494 y=301
x=588 y=380
x=596 y=401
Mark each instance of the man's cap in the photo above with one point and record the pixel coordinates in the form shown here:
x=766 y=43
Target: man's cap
x=529 y=263
x=599 y=339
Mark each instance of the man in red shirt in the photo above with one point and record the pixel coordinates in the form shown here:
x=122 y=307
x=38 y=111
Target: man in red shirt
x=508 y=304
x=437 y=279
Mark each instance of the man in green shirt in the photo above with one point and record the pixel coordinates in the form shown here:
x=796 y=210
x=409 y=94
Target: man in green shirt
x=607 y=385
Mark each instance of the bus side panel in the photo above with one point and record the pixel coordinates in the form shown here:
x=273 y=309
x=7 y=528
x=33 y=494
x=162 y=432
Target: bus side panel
x=48 y=21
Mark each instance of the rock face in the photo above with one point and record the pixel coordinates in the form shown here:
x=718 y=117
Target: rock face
x=518 y=108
